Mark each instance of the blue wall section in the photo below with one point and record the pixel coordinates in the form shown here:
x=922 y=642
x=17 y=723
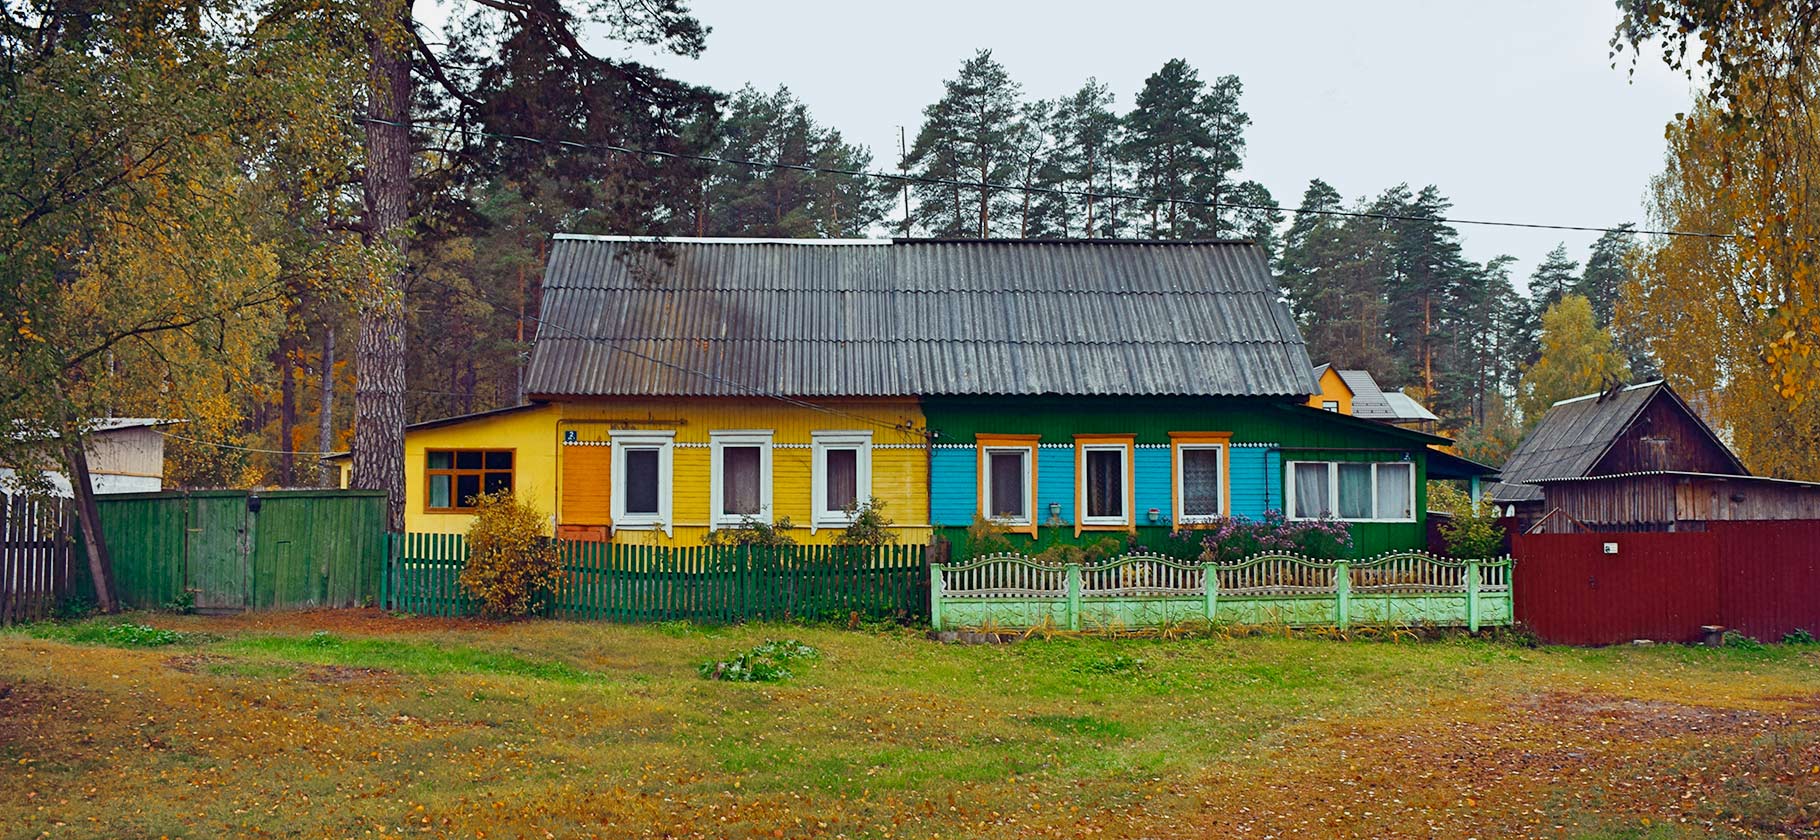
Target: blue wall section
x=1055 y=483
x=1257 y=481
x=954 y=487
x=1152 y=487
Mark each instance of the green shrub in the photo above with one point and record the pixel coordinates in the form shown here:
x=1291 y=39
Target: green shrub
x=513 y=567
x=1473 y=530
x=1738 y=641
x=113 y=635
x=1118 y=663
x=1798 y=636
x=768 y=662
x=753 y=531
x=869 y=526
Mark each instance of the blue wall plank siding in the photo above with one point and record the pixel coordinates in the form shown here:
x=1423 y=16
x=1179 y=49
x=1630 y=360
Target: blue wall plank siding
x=1257 y=481
x=954 y=487
x=1055 y=482
x=1153 y=486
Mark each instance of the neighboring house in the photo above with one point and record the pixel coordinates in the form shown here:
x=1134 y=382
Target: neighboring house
x=1070 y=389
x=125 y=455
x=1637 y=458
x=1355 y=392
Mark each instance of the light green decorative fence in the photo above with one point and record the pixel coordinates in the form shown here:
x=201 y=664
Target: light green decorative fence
x=1139 y=590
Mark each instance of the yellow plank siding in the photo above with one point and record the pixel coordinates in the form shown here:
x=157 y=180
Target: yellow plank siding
x=586 y=485
x=531 y=433
x=900 y=469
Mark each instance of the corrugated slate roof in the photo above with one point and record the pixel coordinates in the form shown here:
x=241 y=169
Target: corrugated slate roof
x=1405 y=408
x=1367 y=398
x=913 y=318
x=1569 y=440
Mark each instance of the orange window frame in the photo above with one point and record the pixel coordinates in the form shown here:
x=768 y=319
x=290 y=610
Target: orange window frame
x=1081 y=442
x=453 y=472
x=984 y=442
x=1179 y=439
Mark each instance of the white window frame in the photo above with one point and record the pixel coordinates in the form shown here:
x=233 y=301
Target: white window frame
x=1221 y=492
x=719 y=440
x=1125 y=499
x=821 y=443
x=1333 y=489
x=1029 y=455
x=1330 y=405
x=664 y=442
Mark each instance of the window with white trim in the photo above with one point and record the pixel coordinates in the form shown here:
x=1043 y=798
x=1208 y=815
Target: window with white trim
x=1355 y=491
x=1007 y=489
x=842 y=477
x=740 y=481
x=1105 y=489
x=642 y=468
x=1200 y=481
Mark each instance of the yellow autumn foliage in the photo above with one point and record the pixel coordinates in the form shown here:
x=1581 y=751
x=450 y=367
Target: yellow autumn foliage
x=513 y=566
x=1735 y=320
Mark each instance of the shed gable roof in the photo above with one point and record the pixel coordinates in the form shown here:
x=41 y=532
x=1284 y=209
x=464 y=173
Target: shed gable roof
x=1574 y=434
x=703 y=317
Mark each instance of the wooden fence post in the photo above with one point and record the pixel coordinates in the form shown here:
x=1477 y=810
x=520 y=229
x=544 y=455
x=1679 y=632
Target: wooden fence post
x=1342 y=590
x=1472 y=594
x=1210 y=581
x=1074 y=596
x=935 y=596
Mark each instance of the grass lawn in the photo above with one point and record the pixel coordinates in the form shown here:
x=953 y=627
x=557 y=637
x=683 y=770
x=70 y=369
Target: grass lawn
x=358 y=724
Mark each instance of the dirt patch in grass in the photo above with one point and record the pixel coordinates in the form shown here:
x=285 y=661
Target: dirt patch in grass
x=343 y=674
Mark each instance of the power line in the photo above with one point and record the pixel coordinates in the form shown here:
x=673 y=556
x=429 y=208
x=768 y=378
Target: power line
x=1058 y=191
x=239 y=448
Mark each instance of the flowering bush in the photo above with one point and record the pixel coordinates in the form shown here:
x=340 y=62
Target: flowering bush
x=1236 y=537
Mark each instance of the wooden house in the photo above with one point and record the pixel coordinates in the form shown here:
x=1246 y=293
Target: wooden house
x=125 y=455
x=1637 y=458
x=1068 y=389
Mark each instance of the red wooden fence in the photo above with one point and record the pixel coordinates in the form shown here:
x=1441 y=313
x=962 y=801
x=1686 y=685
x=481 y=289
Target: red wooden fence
x=1760 y=578
x=35 y=556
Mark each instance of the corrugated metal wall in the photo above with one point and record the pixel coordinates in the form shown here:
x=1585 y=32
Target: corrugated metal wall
x=1760 y=578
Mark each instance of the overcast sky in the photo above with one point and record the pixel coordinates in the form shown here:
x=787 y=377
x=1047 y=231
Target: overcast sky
x=1512 y=109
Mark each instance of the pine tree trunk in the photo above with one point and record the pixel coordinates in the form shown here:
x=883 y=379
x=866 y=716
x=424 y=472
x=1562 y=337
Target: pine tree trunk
x=379 y=356
x=287 y=413
x=325 y=409
x=88 y=517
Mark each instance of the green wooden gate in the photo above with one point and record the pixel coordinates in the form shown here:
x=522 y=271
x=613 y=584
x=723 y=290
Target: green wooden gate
x=231 y=550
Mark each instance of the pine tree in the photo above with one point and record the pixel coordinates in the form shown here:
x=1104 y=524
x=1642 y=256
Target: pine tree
x=1553 y=279
x=969 y=135
x=1426 y=268
x=1332 y=271
x=739 y=200
x=1169 y=143
x=1087 y=136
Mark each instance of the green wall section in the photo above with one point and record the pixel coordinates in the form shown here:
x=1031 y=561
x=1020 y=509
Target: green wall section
x=1296 y=432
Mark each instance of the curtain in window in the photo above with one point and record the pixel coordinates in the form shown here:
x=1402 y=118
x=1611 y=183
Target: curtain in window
x=1355 y=491
x=1005 y=494
x=641 y=481
x=842 y=480
x=1105 y=483
x=739 y=480
x=439 y=491
x=1311 y=490
x=1394 y=497
x=1200 y=482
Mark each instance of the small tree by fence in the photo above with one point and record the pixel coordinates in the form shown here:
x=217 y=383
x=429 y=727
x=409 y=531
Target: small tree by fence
x=728 y=583
x=35 y=556
x=1405 y=587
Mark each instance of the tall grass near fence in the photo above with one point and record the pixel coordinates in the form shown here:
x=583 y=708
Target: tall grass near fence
x=634 y=583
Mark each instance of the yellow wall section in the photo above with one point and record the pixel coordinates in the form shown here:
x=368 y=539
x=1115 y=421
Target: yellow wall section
x=1333 y=389
x=900 y=466
x=531 y=432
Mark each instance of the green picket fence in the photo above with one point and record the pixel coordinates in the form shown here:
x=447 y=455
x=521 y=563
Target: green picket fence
x=720 y=584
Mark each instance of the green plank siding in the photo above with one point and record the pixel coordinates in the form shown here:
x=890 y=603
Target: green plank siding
x=1291 y=432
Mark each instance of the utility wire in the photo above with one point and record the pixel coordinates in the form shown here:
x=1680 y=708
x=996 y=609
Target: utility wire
x=238 y=448
x=1043 y=190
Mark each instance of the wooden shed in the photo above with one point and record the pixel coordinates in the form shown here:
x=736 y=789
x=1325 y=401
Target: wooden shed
x=1668 y=500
